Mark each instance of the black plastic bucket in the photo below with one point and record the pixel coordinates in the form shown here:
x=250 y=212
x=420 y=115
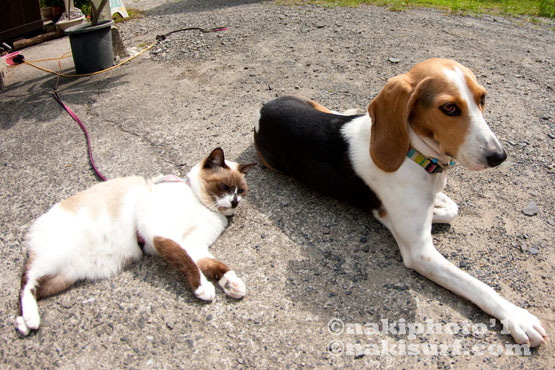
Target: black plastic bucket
x=91 y=46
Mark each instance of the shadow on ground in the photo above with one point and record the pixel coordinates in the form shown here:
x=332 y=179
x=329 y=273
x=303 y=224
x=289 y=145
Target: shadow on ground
x=351 y=267
x=38 y=105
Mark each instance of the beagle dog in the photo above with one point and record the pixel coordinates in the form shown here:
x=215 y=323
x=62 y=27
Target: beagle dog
x=394 y=161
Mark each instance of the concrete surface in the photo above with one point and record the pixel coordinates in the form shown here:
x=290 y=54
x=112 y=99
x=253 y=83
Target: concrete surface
x=306 y=259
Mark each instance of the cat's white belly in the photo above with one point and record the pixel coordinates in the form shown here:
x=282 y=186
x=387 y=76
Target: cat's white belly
x=173 y=211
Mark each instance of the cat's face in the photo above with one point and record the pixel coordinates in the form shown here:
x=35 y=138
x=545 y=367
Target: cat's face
x=220 y=184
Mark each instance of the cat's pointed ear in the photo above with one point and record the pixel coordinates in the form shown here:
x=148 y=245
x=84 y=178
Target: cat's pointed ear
x=215 y=159
x=244 y=168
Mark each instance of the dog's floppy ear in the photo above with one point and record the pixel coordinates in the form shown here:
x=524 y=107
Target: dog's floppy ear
x=389 y=140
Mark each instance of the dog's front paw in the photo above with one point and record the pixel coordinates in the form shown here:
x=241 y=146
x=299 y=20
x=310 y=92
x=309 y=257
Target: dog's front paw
x=524 y=327
x=445 y=210
x=205 y=291
x=232 y=285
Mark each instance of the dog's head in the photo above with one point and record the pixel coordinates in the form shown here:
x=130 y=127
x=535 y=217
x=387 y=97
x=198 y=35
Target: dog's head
x=442 y=101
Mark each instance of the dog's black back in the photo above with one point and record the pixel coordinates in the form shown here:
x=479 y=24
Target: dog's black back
x=295 y=138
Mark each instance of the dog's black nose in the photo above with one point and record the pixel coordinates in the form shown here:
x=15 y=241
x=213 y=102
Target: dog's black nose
x=496 y=158
x=234 y=203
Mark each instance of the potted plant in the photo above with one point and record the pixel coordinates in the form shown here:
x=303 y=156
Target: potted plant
x=71 y=17
x=91 y=43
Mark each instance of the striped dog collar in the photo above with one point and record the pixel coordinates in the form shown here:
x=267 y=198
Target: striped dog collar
x=430 y=165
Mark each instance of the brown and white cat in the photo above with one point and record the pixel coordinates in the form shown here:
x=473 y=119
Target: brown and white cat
x=95 y=233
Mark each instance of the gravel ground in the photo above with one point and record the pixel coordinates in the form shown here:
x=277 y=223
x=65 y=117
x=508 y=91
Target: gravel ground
x=306 y=259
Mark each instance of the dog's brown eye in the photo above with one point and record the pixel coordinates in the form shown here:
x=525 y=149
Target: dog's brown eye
x=225 y=187
x=450 y=109
x=240 y=191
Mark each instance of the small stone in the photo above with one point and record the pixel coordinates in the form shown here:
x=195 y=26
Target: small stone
x=534 y=250
x=366 y=248
x=363 y=239
x=551 y=136
x=394 y=60
x=141 y=323
x=531 y=209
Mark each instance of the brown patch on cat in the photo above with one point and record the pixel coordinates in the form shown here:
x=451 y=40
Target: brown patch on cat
x=188 y=232
x=45 y=286
x=52 y=284
x=25 y=279
x=24 y=275
x=179 y=259
x=245 y=167
x=212 y=268
x=215 y=179
x=107 y=195
x=71 y=204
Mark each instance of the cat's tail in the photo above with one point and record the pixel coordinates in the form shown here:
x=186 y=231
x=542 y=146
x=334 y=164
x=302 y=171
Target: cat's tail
x=36 y=285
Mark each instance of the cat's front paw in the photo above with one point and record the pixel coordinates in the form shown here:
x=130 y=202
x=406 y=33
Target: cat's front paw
x=206 y=291
x=21 y=326
x=232 y=285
